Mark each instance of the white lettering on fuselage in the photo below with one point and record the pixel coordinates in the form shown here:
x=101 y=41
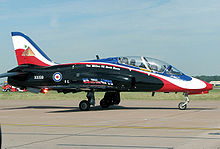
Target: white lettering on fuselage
x=102 y=66
x=96 y=66
x=39 y=77
x=67 y=81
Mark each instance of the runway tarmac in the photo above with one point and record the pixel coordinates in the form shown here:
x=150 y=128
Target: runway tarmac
x=58 y=124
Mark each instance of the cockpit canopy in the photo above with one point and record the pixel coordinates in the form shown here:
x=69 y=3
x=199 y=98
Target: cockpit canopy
x=150 y=64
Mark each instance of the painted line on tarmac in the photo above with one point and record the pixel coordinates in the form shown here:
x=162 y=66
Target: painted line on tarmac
x=106 y=126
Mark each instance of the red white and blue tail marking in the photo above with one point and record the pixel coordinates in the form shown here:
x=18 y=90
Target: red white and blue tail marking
x=27 y=52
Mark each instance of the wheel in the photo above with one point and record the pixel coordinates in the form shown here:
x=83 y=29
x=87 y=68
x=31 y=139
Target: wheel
x=116 y=102
x=108 y=99
x=104 y=103
x=84 y=105
x=182 y=106
x=113 y=98
x=116 y=99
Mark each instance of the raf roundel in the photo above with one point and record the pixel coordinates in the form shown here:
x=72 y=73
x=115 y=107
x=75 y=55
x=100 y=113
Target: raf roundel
x=57 y=76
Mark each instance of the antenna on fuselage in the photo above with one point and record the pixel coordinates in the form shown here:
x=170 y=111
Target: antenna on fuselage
x=97 y=57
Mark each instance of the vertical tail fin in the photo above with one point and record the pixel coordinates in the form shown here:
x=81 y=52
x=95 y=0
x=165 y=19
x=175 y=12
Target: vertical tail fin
x=27 y=52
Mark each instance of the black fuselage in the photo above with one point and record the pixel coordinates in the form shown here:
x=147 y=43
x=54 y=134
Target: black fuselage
x=79 y=77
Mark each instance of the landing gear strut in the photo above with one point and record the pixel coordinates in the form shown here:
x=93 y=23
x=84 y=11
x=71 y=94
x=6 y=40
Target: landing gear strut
x=84 y=105
x=183 y=105
x=110 y=98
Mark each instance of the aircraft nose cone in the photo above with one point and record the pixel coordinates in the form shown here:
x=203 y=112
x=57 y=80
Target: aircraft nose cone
x=208 y=86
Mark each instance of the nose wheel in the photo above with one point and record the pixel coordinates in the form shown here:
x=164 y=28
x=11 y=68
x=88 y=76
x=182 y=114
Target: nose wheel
x=183 y=105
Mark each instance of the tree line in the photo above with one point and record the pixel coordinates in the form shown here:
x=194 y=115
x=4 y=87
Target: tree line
x=208 y=78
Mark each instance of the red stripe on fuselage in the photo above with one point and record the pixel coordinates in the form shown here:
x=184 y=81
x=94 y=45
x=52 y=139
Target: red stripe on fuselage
x=28 y=59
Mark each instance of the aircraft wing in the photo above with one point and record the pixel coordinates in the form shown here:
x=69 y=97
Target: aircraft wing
x=10 y=74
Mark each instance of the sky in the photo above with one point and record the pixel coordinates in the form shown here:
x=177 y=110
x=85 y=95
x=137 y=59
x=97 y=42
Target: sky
x=184 y=33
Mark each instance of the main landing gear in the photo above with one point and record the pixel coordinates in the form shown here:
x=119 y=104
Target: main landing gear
x=110 y=98
x=183 y=105
x=84 y=105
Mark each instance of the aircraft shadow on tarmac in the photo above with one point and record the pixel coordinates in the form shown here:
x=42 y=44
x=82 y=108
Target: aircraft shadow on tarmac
x=98 y=108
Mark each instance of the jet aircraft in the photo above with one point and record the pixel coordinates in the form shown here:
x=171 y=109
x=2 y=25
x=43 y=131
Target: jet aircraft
x=36 y=72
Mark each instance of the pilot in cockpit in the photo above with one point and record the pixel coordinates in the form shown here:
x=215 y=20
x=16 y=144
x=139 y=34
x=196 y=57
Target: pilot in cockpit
x=124 y=60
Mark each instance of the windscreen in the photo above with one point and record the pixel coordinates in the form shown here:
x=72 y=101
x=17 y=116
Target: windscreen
x=155 y=64
x=173 y=71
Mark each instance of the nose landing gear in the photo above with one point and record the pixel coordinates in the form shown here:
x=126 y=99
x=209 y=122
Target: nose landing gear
x=183 y=105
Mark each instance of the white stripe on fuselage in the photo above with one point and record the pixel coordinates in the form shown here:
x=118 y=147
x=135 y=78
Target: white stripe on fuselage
x=192 y=84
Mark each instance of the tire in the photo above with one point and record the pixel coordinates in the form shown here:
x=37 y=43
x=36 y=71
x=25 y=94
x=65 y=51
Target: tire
x=84 y=105
x=104 y=103
x=113 y=98
x=181 y=106
x=117 y=100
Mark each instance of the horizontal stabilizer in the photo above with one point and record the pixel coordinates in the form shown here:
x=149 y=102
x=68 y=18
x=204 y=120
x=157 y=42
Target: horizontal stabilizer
x=10 y=74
